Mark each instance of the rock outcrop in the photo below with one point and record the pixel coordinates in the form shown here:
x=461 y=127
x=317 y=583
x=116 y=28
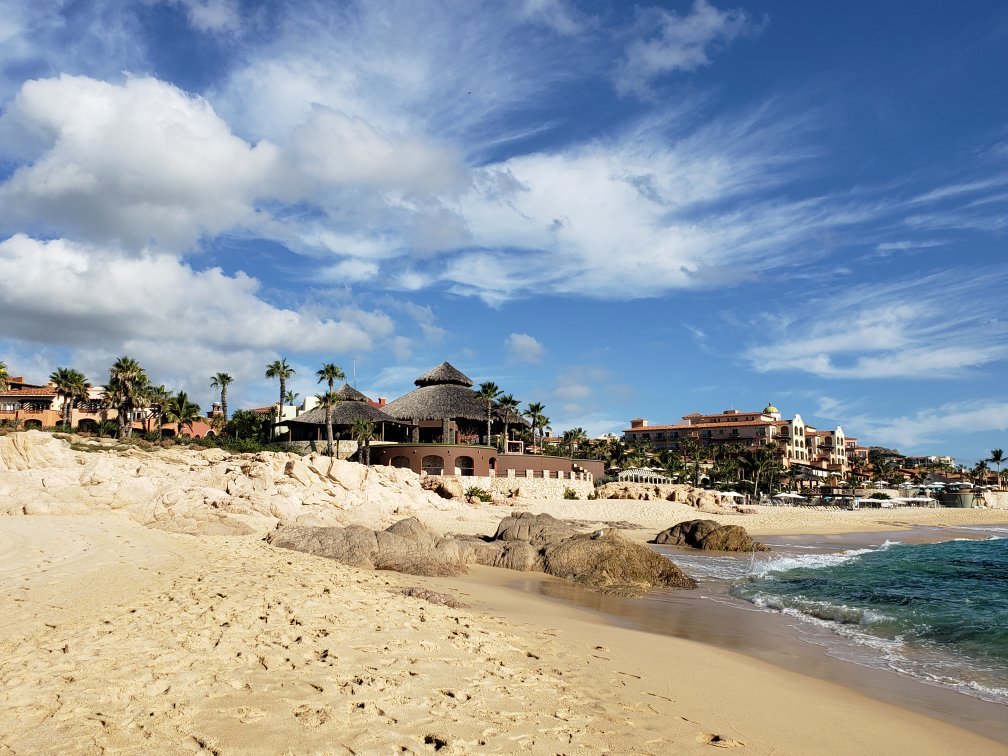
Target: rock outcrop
x=698 y=498
x=206 y=491
x=709 y=536
x=604 y=560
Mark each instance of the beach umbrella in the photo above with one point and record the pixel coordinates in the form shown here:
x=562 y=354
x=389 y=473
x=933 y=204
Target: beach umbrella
x=788 y=495
x=731 y=494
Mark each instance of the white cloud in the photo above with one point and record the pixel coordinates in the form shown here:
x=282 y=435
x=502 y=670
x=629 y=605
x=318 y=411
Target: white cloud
x=69 y=294
x=524 y=348
x=212 y=15
x=682 y=43
x=931 y=425
x=915 y=328
x=556 y=14
x=134 y=165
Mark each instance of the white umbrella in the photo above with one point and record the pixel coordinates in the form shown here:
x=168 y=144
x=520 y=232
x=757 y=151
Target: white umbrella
x=731 y=494
x=788 y=495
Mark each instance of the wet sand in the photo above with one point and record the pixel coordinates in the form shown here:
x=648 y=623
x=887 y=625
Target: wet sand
x=711 y=617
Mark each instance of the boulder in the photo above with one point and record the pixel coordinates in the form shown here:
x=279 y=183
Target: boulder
x=445 y=486
x=709 y=535
x=538 y=530
x=613 y=564
x=604 y=560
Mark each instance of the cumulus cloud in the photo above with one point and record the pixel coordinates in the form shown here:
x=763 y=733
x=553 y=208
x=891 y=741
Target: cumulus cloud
x=524 y=348
x=680 y=42
x=65 y=293
x=914 y=328
x=137 y=165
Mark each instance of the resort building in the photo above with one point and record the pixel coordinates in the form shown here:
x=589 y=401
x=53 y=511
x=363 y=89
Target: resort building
x=353 y=406
x=822 y=452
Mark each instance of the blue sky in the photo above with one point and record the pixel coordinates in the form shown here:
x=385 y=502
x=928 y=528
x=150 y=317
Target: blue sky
x=617 y=210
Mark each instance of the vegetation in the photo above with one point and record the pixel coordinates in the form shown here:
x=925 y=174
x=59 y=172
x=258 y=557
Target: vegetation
x=280 y=370
x=4 y=377
x=488 y=391
x=510 y=407
x=475 y=492
x=221 y=381
x=570 y=493
x=72 y=387
x=329 y=373
x=997 y=457
x=125 y=391
x=182 y=412
x=364 y=431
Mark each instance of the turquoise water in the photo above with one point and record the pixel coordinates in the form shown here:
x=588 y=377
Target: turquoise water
x=936 y=611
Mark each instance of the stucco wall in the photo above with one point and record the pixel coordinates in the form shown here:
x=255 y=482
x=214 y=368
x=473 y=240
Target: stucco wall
x=526 y=488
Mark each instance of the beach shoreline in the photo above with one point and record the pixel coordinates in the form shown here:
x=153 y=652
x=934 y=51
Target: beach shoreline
x=120 y=635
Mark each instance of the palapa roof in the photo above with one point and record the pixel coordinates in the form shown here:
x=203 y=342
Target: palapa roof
x=443 y=393
x=443 y=373
x=353 y=406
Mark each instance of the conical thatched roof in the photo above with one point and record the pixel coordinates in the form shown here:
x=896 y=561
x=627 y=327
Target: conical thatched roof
x=347 y=393
x=353 y=405
x=443 y=373
x=437 y=402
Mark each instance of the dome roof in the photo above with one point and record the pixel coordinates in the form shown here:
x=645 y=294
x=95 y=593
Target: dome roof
x=770 y=410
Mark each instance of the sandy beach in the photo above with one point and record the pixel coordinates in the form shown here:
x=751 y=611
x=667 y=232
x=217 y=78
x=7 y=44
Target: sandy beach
x=119 y=637
x=147 y=614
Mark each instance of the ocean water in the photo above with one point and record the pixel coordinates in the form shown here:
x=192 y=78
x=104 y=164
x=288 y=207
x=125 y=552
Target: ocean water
x=937 y=612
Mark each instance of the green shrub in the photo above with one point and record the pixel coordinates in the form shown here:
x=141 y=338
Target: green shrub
x=475 y=492
x=880 y=495
x=570 y=493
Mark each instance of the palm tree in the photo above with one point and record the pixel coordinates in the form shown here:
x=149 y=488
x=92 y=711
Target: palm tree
x=980 y=471
x=281 y=370
x=222 y=381
x=488 y=391
x=574 y=438
x=534 y=412
x=363 y=430
x=127 y=385
x=693 y=455
x=330 y=373
x=328 y=401
x=510 y=406
x=156 y=398
x=997 y=457
x=182 y=412
x=291 y=397
x=4 y=377
x=72 y=387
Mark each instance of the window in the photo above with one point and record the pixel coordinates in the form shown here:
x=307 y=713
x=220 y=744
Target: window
x=464 y=465
x=400 y=461
x=433 y=464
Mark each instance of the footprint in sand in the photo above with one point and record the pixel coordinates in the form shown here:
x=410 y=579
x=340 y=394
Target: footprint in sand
x=718 y=741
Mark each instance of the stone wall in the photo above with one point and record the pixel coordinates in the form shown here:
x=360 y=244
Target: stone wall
x=347 y=448
x=512 y=488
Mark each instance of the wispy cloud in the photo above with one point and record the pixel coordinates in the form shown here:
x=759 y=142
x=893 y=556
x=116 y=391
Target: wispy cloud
x=916 y=328
x=675 y=42
x=935 y=427
x=524 y=348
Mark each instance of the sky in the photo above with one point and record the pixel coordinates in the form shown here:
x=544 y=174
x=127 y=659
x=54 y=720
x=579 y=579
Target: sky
x=618 y=210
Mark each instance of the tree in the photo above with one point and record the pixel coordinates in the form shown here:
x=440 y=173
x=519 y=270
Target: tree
x=328 y=401
x=281 y=370
x=222 y=381
x=182 y=412
x=364 y=431
x=126 y=387
x=488 y=391
x=573 y=439
x=4 y=377
x=693 y=455
x=510 y=406
x=997 y=457
x=156 y=398
x=72 y=387
x=245 y=424
x=329 y=373
x=537 y=420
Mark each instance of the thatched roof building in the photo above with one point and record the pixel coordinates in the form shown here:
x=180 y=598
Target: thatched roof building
x=310 y=426
x=444 y=393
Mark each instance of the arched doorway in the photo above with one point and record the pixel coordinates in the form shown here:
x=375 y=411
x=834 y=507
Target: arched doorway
x=400 y=461
x=464 y=466
x=33 y=424
x=433 y=464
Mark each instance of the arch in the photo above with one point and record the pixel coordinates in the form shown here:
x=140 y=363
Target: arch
x=433 y=464
x=87 y=425
x=210 y=434
x=33 y=423
x=493 y=466
x=464 y=466
x=400 y=461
